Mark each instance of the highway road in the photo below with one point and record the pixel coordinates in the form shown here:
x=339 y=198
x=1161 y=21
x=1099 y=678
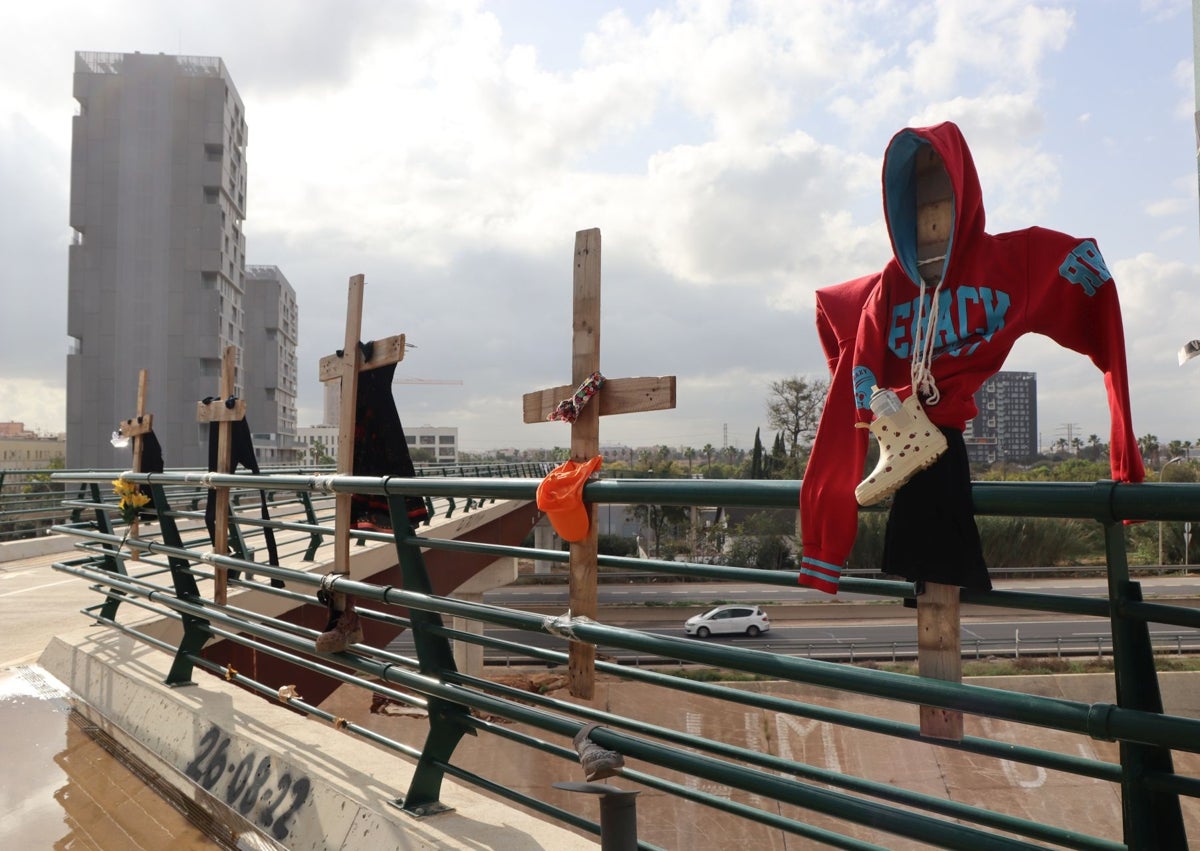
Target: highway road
x=36 y=602
x=850 y=640
x=846 y=637
x=704 y=593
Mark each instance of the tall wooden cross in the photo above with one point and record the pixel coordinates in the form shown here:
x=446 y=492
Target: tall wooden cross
x=617 y=396
x=133 y=428
x=344 y=367
x=217 y=411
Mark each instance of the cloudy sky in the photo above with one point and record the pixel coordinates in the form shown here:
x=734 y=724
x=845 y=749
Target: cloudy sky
x=729 y=152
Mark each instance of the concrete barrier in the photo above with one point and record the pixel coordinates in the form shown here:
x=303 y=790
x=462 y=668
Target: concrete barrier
x=273 y=777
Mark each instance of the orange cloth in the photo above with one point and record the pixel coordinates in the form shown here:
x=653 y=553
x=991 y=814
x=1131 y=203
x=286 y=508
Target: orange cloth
x=560 y=495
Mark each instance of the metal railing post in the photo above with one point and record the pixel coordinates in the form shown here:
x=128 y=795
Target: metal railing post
x=181 y=575
x=310 y=516
x=618 y=814
x=447 y=720
x=1153 y=819
x=114 y=562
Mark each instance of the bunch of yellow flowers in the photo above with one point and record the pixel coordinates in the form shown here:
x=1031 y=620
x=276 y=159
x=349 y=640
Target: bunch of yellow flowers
x=132 y=500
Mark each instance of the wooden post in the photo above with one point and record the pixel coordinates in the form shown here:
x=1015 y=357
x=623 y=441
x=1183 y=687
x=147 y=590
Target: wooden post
x=134 y=428
x=617 y=396
x=939 y=633
x=344 y=368
x=939 y=654
x=216 y=411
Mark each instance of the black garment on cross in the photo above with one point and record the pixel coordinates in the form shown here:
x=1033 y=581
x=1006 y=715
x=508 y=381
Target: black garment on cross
x=243 y=453
x=380 y=448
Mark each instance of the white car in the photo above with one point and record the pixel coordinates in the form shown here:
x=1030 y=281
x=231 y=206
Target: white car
x=750 y=620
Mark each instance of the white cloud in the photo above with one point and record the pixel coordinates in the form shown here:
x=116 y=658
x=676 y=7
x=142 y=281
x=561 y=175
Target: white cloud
x=729 y=151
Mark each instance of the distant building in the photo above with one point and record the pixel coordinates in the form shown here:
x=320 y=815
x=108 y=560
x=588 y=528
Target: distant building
x=269 y=366
x=1006 y=427
x=441 y=443
x=156 y=271
x=21 y=449
x=317 y=443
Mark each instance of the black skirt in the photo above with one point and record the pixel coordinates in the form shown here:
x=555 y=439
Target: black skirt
x=931 y=534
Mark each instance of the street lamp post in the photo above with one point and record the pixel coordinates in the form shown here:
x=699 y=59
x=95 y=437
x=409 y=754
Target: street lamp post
x=1160 y=526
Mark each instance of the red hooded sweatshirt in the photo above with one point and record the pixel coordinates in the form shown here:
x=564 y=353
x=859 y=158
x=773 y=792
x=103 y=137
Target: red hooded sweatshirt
x=995 y=288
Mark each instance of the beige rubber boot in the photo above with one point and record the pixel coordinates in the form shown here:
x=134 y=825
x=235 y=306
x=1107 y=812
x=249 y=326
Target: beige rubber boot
x=908 y=443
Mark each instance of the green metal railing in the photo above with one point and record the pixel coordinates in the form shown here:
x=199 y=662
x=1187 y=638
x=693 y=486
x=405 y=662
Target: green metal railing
x=32 y=502
x=1150 y=788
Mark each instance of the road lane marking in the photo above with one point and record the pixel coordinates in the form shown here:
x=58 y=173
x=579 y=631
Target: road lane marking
x=37 y=587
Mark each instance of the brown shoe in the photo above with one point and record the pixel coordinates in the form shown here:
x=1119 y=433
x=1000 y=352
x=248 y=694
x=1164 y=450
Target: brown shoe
x=598 y=762
x=345 y=631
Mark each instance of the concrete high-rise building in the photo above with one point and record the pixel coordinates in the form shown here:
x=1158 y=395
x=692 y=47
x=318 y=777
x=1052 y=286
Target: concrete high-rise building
x=156 y=276
x=269 y=365
x=1006 y=426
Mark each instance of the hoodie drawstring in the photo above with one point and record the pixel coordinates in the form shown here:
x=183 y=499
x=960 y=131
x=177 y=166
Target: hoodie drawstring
x=921 y=368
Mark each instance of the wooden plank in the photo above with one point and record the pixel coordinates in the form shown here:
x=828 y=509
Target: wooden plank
x=216 y=412
x=585 y=444
x=224 y=465
x=939 y=654
x=939 y=635
x=617 y=396
x=935 y=222
x=350 y=362
x=136 y=427
x=389 y=350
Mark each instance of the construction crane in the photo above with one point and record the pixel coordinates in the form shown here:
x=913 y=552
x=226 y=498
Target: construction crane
x=407 y=346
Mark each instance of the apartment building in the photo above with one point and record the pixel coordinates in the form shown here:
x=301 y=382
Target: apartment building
x=156 y=273
x=269 y=365
x=1006 y=427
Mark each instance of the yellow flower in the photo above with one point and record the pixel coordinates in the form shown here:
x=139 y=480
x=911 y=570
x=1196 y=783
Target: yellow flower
x=132 y=499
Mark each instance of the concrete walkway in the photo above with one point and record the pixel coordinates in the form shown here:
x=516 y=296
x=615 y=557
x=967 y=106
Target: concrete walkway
x=271 y=776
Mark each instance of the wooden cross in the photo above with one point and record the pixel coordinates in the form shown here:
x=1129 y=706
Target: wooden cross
x=133 y=429
x=217 y=412
x=344 y=367
x=939 y=632
x=617 y=396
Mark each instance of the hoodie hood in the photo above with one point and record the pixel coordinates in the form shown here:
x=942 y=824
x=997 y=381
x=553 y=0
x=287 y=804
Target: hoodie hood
x=900 y=170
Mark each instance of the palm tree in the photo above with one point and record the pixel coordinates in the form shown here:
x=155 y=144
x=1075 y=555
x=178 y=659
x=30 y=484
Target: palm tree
x=1148 y=444
x=689 y=453
x=708 y=451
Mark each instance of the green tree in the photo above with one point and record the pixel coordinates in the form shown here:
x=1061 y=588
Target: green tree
x=764 y=540
x=319 y=454
x=1148 y=444
x=794 y=408
x=657 y=518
